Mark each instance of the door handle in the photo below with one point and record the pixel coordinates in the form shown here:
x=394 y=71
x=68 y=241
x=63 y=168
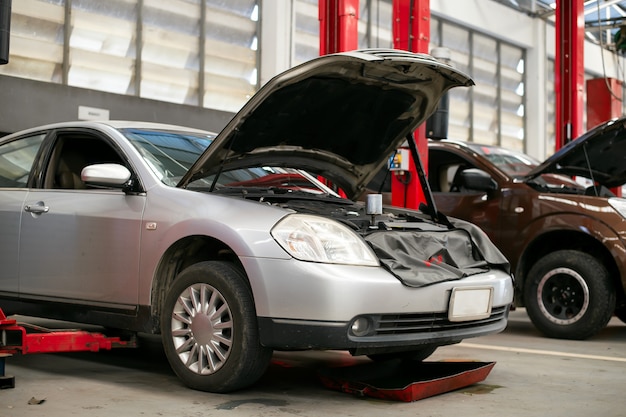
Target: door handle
x=37 y=208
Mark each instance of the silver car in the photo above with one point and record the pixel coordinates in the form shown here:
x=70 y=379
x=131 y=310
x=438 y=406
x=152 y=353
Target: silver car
x=233 y=245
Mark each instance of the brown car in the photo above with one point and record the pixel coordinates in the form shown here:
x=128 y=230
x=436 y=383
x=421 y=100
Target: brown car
x=559 y=224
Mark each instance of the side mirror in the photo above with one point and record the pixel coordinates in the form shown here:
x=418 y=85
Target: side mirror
x=108 y=175
x=478 y=180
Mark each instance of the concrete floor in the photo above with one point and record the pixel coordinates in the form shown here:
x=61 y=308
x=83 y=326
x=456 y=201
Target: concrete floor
x=533 y=376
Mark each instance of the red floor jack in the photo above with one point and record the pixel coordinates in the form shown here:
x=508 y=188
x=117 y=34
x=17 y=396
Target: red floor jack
x=14 y=339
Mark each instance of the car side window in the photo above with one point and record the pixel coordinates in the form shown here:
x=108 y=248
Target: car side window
x=16 y=160
x=444 y=169
x=71 y=154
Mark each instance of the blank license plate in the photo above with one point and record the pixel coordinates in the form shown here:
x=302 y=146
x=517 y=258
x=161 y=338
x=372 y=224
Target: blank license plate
x=470 y=303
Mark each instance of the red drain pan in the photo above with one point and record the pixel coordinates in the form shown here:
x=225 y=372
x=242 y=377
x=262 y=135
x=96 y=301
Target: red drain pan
x=399 y=381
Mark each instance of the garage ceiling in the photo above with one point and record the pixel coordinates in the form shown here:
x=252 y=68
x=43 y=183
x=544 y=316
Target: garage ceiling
x=605 y=20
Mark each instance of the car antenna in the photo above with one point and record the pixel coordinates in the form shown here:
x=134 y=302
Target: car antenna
x=430 y=201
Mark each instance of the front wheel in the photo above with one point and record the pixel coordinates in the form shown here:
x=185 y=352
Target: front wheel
x=209 y=329
x=568 y=295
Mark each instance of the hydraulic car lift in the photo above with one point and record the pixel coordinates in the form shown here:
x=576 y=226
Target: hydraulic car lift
x=14 y=339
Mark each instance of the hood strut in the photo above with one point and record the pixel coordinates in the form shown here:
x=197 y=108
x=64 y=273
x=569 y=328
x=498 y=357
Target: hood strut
x=593 y=180
x=431 y=207
x=219 y=171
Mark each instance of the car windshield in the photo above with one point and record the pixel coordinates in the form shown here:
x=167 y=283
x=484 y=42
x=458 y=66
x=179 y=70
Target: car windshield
x=512 y=163
x=168 y=153
x=263 y=179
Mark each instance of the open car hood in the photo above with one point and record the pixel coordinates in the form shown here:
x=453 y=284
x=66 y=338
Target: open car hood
x=339 y=116
x=599 y=154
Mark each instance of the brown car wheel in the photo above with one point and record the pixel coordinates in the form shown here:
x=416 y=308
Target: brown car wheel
x=568 y=295
x=209 y=329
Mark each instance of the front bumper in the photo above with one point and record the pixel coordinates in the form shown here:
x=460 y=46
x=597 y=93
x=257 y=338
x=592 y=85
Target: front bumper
x=305 y=305
x=390 y=332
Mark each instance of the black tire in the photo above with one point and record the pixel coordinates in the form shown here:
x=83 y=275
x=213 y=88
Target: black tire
x=209 y=329
x=417 y=355
x=568 y=295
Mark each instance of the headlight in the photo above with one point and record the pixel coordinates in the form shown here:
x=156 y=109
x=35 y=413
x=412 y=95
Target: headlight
x=317 y=239
x=619 y=204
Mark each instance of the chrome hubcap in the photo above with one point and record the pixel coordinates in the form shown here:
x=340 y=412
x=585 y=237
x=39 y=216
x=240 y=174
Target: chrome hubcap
x=202 y=329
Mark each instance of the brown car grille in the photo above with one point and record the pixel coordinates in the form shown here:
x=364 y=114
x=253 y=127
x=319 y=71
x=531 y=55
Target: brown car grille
x=419 y=323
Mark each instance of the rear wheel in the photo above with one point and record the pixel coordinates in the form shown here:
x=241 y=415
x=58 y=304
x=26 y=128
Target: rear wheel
x=568 y=295
x=209 y=329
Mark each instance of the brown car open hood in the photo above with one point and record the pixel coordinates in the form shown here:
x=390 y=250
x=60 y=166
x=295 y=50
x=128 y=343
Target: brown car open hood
x=599 y=154
x=340 y=116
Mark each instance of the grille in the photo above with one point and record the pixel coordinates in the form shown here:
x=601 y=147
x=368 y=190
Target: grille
x=420 y=323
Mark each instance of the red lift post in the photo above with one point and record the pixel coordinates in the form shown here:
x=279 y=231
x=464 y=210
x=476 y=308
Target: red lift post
x=569 y=70
x=339 y=21
x=411 y=32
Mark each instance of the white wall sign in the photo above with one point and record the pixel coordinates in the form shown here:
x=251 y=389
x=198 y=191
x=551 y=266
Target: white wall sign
x=92 y=113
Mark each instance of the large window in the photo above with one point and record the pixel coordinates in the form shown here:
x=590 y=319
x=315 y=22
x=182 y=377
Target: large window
x=307 y=31
x=230 y=68
x=375 y=24
x=492 y=111
x=170 y=50
x=457 y=41
x=36 y=40
x=195 y=52
x=102 y=51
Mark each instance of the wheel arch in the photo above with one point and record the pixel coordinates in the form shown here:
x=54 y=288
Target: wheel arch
x=180 y=255
x=555 y=240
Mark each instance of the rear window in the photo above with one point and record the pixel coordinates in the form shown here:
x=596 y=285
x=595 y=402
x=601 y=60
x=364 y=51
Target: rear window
x=514 y=164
